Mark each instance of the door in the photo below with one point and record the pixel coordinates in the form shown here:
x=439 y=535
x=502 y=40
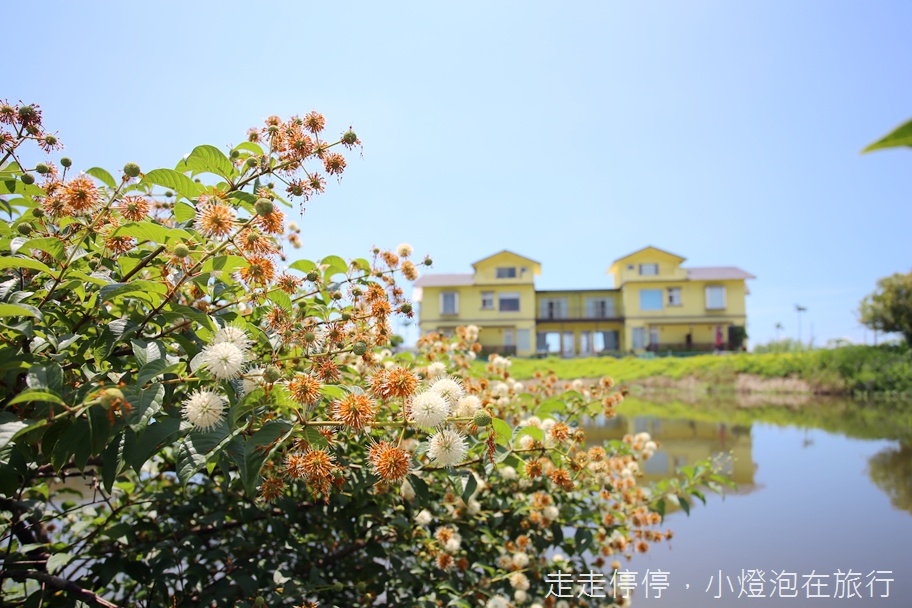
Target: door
x=569 y=347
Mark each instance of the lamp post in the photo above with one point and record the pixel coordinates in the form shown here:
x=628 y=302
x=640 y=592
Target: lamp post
x=799 y=309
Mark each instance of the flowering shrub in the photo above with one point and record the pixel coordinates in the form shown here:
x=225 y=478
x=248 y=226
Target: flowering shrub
x=186 y=422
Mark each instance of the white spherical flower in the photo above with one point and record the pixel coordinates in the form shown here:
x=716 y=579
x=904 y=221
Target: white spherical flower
x=502 y=389
x=423 y=518
x=235 y=335
x=508 y=473
x=204 y=409
x=453 y=545
x=253 y=380
x=407 y=491
x=520 y=559
x=436 y=369
x=531 y=421
x=467 y=406
x=650 y=446
x=224 y=360
x=498 y=601
x=520 y=596
x=520 y=581
x=429 y=409
x=641 y=437
x=518 y=387
x=471 y=355
x=447 y=447
x=504 y=562
x=404 y=250
x=474 y=507
x=449 y=389
x=548 y=424
x=551 y=512
x=526 y=441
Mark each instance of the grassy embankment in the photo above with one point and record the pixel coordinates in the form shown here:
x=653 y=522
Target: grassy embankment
x=885 y=371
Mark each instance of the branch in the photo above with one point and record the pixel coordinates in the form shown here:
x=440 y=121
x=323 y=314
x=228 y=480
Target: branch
x=58 y=583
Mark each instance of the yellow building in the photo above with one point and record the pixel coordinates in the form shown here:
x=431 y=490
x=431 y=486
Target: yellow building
x=655 y=305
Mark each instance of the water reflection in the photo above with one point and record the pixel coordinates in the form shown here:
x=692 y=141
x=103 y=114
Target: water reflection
x=891 y=470
x=685 y=442
x=825 y=487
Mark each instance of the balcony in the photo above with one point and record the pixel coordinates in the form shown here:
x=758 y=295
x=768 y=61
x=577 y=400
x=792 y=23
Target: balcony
x=581 y=313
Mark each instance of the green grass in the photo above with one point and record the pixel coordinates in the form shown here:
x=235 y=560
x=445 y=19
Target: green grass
x=850 y=369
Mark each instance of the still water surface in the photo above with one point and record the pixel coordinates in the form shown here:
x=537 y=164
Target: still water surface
x=824 y=499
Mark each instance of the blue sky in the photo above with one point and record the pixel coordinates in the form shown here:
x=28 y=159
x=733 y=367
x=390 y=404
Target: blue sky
x=572 y=133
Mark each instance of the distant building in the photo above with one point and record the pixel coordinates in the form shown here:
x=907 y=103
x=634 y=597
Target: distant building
x=655 y=305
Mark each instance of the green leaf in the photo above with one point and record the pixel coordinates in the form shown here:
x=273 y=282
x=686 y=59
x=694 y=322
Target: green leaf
x=145 y=406
x=50 y=245
x=280 y=299
x=156 y=368
x=112 y=462
x=183 y=212
x=314 y=438
x=9 y=429
x=249 y=146
x=334 y=265
x=685 y=504
x=209 y=159
x=103 y=176
x=12 y=262
x=19 y=310
x=57 y=561
x=195 y=449
x=169 y=178
x=303 y=265
x=898 y=137
x=272 y=433
x=471 y=484
x=72 y=444
x=502 y=430
x=420 y=487
x=157 y=434
x=532 y=431
x=224 y=263
x=31 y=396
x=150 y=231
x=109 y=292
x=46 y=377
x=146 y=352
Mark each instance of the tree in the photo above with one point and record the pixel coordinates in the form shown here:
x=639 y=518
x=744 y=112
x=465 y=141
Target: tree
x=183 y=423
x=889 y=307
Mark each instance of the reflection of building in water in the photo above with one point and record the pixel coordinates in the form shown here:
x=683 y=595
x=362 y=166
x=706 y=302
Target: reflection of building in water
x=685 y=442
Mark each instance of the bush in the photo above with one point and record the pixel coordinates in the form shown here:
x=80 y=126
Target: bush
x=185 y=424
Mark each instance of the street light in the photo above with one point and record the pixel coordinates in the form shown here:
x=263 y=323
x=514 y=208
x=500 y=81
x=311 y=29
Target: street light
x=799 y=309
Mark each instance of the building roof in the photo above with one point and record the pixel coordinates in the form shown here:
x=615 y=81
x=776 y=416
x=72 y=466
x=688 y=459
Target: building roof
x=624 y=257
x=453 y=279
x=717 y=273
x=488 y=257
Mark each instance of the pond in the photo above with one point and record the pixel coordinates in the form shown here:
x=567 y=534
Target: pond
x=823 y=507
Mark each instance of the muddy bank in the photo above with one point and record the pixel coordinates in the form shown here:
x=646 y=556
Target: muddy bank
x=740 y=384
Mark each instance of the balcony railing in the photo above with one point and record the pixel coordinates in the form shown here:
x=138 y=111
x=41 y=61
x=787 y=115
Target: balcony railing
x=578 y=313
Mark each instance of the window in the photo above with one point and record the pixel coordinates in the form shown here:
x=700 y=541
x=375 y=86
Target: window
x=715 y=297
x=509 y=302
x=449 y=303
x=650 y=299
x=649 y=269
x=653 y=336
x=599 y=308
x=553 y=308
x=674 y=296
x=506 y=273
x=487 y=300
x=523 y=340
